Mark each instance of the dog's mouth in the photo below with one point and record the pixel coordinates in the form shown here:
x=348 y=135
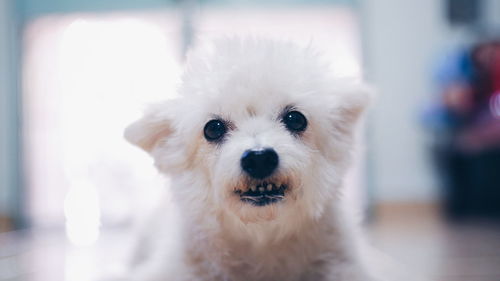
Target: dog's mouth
x=263 y=193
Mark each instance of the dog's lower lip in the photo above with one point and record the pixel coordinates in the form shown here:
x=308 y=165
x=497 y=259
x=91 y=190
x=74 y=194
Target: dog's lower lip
x=263 y=194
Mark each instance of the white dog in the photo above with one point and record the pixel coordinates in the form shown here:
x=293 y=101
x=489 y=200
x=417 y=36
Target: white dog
x=256 y=147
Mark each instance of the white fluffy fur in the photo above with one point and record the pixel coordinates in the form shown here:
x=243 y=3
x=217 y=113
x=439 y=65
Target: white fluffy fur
x=205 y=232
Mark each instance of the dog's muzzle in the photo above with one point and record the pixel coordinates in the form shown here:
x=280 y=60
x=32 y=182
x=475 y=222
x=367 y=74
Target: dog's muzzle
x=259 y=165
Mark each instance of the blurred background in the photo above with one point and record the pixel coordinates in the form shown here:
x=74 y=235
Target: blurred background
x=74 y=73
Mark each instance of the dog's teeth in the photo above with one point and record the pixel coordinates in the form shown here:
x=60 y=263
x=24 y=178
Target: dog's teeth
x=269 y=187
x=253 y=188
x=261 y=189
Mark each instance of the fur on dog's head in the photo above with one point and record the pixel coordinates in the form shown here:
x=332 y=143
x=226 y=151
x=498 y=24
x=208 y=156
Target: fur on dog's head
x=261 y=131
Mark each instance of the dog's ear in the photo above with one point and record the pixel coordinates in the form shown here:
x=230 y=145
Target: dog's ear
x=151 y=128
x=353 y=99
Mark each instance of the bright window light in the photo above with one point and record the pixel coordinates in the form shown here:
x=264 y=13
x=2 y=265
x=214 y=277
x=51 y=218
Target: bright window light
x=87 y=78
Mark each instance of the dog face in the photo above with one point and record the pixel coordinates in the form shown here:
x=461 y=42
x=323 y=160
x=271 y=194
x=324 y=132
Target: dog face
x=260 y=131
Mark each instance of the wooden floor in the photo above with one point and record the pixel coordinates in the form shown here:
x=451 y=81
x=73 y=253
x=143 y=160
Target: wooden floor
x=412 y=235
x=417 y=236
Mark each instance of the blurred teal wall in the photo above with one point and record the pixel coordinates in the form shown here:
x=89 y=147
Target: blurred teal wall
x=4 y=85
x=34 y=8
x=10 y=190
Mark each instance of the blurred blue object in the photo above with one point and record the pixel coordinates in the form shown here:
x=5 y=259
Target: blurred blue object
x=454 y=67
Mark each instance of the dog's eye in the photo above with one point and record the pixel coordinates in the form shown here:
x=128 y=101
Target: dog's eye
x=294 y=121
x=214 y=130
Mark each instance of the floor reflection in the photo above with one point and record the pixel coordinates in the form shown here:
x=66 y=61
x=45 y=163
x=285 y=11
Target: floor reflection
x=413 y=235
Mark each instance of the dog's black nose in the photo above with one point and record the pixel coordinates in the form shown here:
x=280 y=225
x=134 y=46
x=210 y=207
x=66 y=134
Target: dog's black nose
x=259 y=164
